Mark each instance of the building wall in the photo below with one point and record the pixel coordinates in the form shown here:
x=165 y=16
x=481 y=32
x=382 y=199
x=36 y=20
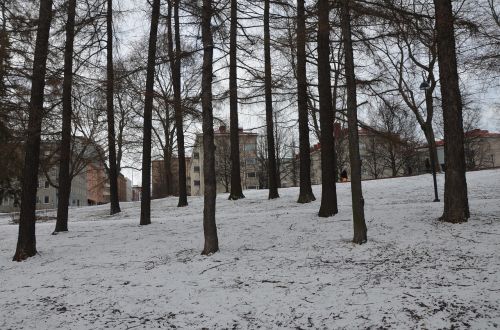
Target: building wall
x=129 y=190
x=47 y=195
x=122 y=188
x=98 y=190
x=159 y=178
x=373 y=165
x=248 y=162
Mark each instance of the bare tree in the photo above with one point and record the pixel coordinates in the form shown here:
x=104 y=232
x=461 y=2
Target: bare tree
x=329 y=192
x=236 y=190
x=110 y=82
x=272 y=169
x=456 y=203
x=210 y=194
x=175 y=66
x=305 y=194
x=26 y=241
x=148 y=114
x=65 y=152
x=358 y=212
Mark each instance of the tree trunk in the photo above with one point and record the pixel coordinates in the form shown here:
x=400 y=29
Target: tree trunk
x=64 y=184
x=236 y=190
x=456 y=203
x=148 y=114
x=210 y=194
x=167 y=161
x=272 y=171
x=358 y=213
x=175 y=66
x=26 y=241
x=110 y=82
x=329 y=191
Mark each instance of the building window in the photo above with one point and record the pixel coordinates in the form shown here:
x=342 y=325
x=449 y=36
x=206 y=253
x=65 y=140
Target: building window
x=250 y=147
x=251 y=175
x=196 y=182
x=196 y=155
x=251 y=161
x=46 y=200
x=196 y=168
x=47 y=184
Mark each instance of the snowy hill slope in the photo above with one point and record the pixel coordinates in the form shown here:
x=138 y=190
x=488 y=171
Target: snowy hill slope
x=280 y=266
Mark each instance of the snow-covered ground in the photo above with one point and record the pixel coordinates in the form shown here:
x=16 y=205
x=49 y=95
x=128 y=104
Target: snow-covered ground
x=280 y=266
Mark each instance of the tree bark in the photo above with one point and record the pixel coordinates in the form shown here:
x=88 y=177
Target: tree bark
x=175 y=66
x=271 y=148
x=64 y=190
x=236 y=189
x=210 y=193
x=358 y=213
x=26 y=241
x=148 y=114
x=329 y=192
x=110 y=82
x=456 y=203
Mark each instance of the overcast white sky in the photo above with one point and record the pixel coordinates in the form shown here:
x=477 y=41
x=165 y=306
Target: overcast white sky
x=133 y=24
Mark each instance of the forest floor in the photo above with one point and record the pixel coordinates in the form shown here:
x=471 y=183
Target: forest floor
x=280 y=266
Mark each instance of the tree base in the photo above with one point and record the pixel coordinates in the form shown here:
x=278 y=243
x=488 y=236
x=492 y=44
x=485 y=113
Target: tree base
x=209 y=251
x=306 y=198
x=114 y=210
x=235 y=197
x=325 y=212
x=360 y=238
x=453 y=219
x=273 y=195
x=57 y=231
x=23 y=254
x=145 y=222
x=182 y=204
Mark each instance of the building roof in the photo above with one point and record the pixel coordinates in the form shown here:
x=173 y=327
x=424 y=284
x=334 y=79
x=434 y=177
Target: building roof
x=475 y=133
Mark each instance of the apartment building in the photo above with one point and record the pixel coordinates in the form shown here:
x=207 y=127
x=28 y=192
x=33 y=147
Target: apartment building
x=163 y=187
x=248 y=162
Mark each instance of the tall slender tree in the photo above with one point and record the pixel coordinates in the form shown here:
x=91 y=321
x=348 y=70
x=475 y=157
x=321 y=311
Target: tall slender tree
x=329 y=191
x=175 y=66
x=358 y=213
x=65 y=152
x=236 y=189
x=456 y=203
x=268 y=82
x=110 y=113
x=210 y=193
x=148 y=115
x=26 y=241
x=306 y=194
